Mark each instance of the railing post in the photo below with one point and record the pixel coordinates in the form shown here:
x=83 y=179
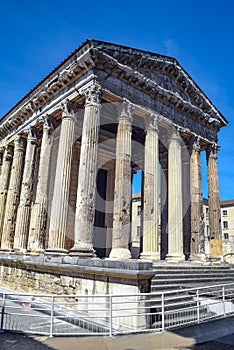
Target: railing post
x=198 y=307
x=224 y=308
x=3 y=310
x=110 y=315
x=163 y=312
x=52 y=317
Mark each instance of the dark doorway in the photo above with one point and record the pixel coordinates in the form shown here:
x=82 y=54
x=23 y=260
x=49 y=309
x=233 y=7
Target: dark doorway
x=99 y=232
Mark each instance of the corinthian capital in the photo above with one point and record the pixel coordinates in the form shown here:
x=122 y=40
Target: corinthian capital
x=93 y=94
x=152 y=122
x=212 y=151
x=196 y=144
x=125 y=111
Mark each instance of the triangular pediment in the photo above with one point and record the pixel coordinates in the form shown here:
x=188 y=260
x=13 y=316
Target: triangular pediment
x=159 y=76
x=158 y=71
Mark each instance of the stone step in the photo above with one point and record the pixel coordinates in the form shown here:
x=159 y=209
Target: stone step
x=193 y=275
x=189 y=271
x=191 y=267
x=188 y=281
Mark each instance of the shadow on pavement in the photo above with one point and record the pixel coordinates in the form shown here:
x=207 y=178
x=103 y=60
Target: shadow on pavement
x=217 y=334
x=13 y=341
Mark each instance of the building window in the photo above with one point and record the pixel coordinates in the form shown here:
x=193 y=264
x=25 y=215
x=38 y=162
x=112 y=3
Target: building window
x=138 y=231
x=225 y=224
x=207 y=211
x=138 y=210
x=226 y=236
x=224 y=212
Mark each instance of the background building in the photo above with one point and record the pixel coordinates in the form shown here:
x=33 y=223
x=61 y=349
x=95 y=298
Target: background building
x=227 y=226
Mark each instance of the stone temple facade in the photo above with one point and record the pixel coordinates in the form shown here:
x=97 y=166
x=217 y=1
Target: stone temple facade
x=69 y=150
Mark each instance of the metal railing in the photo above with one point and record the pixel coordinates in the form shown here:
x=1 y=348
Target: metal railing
x=56 y=315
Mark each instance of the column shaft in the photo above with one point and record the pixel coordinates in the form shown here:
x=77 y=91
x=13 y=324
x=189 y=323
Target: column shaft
x=214 y=204
x=123 y=187
x=175 y=200
x=85 y=204
x=13 y=194
x=151 y=198
x=24 y=208
x=197 y=231
x=186 y=188
x=4 y=182
x=59 y=208
x=164 y=203
x=39 y=210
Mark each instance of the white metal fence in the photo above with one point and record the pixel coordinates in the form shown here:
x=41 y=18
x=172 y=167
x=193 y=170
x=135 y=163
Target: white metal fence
x=113 y=314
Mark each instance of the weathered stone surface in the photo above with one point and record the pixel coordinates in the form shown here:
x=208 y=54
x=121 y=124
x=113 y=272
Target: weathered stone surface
x=24 y=208
x=123 y=191
x=88 y=276
x=13 y=194
x=197 y=229
x=85 y=205
x=214 y=203
x=151 y=192
x=38 y=221
x=59 y=210
x=4 y=182
x=110 y=76
x=175 y=212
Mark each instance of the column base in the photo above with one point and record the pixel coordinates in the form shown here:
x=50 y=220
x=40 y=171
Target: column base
x=120 y=254
x=198 y=257
x=56 y=251
x=6 y=251
x=35 y=252
x=82 y=252
x=19 y=251
x=218 y=259
x=175 y=257
x=150 y=256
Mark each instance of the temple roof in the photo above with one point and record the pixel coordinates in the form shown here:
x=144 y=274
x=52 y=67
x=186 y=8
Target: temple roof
x=147 y=71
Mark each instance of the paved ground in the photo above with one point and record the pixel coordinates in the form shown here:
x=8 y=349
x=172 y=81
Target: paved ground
x=216 y=335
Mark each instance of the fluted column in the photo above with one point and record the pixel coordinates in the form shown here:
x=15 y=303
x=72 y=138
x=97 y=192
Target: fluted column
x=37 y=228
x=186 y=188
x=13 y=194
x=197 y=229
x=24 y=208
x=175 y=199
x=151 y=199
x=4 y=182
x=85 y=203
x=59 y=207
x=123 y=186
x=214 y=203
x=164 y=202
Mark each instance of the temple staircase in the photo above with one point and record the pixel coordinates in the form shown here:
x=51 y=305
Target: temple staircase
x=169 y=276
x=179 y=284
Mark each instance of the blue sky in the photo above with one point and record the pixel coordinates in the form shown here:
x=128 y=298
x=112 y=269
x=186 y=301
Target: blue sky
x=36 y=36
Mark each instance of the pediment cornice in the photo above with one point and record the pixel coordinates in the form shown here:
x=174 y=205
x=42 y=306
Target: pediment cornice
x=128 y=65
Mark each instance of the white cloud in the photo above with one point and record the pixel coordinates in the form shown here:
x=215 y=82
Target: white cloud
x=171 y=47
